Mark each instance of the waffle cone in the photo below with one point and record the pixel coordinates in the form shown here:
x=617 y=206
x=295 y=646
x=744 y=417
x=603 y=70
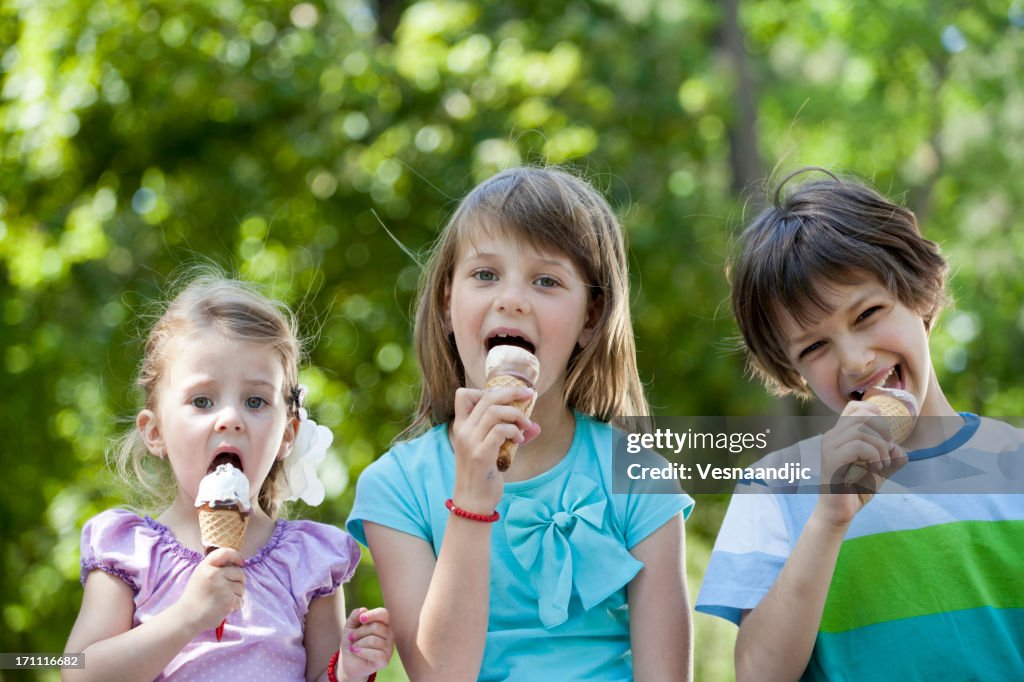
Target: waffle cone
x=509 y=447
x=896 y=415
x=222 y=528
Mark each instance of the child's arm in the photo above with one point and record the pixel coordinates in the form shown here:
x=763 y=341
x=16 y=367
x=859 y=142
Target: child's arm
x=114 y=650
x=440 y=605
x=364 y=640
x=777 y=638
x=659 y=607
x=322 y=633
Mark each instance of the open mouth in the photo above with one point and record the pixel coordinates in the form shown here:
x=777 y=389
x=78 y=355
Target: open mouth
x=506 y=340
x=225 y=458
x=894 y=379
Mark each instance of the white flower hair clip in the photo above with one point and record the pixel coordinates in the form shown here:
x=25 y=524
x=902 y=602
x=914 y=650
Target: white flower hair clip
x=308 y=450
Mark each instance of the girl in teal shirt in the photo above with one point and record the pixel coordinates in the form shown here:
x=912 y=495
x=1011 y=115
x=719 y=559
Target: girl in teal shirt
x=540 y=570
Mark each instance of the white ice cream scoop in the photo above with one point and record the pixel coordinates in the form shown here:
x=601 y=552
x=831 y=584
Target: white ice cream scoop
x=512 y=361
x=223 y=487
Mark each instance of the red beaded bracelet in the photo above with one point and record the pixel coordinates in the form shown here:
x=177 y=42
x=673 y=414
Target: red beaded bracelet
x=458 y=511
x=332 y=676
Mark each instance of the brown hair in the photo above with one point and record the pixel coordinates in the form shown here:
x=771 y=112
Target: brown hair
x=238 y=311
x=552 y=210
x=823 y=232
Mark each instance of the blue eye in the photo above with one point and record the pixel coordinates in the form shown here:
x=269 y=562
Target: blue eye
x=201 y=402
x=255 y=402
x=546 y=282
x=485 y=275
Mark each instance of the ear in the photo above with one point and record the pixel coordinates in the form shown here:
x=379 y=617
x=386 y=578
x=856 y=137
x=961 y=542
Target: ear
x=929 y=323
x=291 y=430
x=594 y=314
x=448 y=328
x=148 y=426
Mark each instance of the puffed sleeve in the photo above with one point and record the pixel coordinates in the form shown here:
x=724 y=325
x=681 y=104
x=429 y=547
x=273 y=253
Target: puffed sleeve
x=120 y=543
x=319 y=558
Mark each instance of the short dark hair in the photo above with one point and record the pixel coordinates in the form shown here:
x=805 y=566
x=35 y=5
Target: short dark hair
x=824 y=231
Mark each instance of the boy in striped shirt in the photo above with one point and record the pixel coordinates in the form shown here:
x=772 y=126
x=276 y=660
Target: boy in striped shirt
x=835 y=292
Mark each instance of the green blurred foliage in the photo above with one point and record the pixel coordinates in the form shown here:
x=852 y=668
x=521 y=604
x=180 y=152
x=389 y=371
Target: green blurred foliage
x=295 y=143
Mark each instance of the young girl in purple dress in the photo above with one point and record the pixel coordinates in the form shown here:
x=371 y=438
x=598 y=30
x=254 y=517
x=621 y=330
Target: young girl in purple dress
x=220 y=380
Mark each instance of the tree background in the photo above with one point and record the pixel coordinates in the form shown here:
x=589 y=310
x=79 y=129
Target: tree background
x=279 y=140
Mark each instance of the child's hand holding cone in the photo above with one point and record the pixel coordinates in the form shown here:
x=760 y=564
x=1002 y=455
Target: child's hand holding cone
x=214 y=590
x=224 y=511
x=858 y=455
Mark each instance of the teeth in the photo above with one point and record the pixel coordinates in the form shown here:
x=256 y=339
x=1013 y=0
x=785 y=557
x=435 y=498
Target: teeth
x=502 y=335
x=881 y=382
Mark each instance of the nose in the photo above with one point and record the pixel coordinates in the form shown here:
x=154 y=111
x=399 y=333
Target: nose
x=512 y=298
x=229 y=418
x=855 y=356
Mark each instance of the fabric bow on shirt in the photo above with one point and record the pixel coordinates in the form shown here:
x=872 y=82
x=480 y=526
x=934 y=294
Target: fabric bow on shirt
x=569 y=549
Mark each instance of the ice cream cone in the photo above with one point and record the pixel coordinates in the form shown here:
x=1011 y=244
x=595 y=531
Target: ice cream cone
x=222 y=527
x=511 y=367
x=224 y=510
x=897 y=415
x=509 y=447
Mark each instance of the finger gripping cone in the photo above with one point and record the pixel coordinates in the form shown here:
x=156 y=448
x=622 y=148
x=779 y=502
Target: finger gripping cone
x=509 y=447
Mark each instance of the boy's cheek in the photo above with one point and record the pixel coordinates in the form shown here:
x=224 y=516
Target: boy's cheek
x=831 y=397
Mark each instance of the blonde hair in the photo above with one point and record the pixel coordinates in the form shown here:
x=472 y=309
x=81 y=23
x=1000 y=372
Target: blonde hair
x=238 y=311
x=552 y=210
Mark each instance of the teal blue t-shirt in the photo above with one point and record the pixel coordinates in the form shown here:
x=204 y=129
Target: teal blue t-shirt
x=560 y=552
